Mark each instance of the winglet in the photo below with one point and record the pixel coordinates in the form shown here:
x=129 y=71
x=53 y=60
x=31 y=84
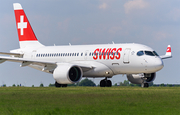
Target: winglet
x=168 y=53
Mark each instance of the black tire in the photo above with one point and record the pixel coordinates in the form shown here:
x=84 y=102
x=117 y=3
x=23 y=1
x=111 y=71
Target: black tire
x=57 y=84
x=146 y=85
x=108 y=83
x=64 y=85
x=102 y=83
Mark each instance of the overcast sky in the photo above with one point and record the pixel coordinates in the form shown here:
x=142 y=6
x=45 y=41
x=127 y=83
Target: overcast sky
x=155 y=23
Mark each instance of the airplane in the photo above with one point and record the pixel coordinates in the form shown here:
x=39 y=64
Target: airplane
x=69 y=63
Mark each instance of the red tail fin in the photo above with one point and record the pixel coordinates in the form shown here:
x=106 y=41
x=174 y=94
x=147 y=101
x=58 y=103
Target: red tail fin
x=25 y=31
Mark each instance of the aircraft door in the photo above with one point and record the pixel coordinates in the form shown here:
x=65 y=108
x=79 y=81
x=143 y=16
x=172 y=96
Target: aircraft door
x=33 y=54
x=86 y=54
x=126 y=56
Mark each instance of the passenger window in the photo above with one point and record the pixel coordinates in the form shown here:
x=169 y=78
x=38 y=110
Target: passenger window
x=140 y=53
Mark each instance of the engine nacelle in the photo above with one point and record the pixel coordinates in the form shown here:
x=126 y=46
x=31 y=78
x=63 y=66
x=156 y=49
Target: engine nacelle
x=141 y=78
x=67 y=73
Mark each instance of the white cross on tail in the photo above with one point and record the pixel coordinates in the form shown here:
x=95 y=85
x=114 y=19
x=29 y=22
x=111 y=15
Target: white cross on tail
x=22 y=24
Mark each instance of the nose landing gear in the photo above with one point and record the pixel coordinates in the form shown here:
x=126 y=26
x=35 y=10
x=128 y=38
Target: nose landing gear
x=145 y=85
x=105 y=83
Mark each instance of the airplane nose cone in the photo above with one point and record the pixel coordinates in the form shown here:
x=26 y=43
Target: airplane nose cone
x=159 y=64
x=154 y=64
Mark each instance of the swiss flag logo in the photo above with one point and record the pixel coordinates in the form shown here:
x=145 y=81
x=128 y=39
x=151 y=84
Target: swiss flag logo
x=168 y=49
x=22 y=25
x=24 y=29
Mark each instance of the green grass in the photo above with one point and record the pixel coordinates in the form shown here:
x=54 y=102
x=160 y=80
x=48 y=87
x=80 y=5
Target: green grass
x=89 y=100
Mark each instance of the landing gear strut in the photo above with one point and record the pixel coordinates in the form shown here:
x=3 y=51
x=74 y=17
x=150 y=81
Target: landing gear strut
x=60 y=85
x=145 y=85
x=105 y=83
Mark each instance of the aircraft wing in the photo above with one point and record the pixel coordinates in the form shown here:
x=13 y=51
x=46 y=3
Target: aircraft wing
x=24 y=60
x=51 y=64
x=168 y=53
x=11 y=54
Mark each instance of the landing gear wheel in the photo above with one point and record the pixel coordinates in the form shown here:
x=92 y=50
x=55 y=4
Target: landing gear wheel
x=64 y=85
x=108 y=83
x=102 y=83
x=105 y=83
x=145 y=85
x=57 y=84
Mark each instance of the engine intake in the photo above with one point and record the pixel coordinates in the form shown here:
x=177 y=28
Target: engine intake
x=74 y=74
x=67 y=73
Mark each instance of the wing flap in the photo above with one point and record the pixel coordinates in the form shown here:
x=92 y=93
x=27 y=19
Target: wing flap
x=11 y=54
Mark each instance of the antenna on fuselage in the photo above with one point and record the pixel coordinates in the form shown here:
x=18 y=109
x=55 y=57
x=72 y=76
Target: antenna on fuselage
x=70 y=44
x=112 y=42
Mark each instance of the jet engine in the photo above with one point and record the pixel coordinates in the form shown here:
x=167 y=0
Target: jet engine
x=141 y=78
x=67 y=73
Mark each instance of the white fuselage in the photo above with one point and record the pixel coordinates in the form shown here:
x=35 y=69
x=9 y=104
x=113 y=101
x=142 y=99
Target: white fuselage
x=69 y=64
x=107 y=60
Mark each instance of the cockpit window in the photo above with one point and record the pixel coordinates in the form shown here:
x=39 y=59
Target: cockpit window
x=155 y=53
x=140 y=53
x=149 y=53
